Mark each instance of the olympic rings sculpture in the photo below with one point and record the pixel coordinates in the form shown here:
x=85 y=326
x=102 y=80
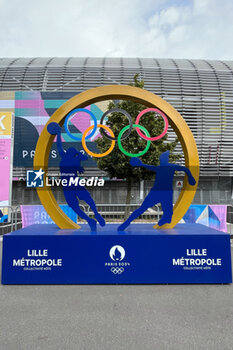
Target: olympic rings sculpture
x=122 y=135
x=117 y=270
x=117 y=92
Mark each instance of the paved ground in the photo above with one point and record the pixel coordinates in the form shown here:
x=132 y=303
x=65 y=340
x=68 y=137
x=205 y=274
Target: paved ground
x=116 y=317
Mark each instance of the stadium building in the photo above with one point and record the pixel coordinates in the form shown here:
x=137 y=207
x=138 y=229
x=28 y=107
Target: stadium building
x=201 y=90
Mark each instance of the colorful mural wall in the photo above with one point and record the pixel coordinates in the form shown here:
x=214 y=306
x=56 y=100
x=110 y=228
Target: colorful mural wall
x=213 y=216
x=36 y=214
x=32 y=111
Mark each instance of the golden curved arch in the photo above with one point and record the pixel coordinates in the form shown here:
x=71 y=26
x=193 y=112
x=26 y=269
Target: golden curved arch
x=119 y=92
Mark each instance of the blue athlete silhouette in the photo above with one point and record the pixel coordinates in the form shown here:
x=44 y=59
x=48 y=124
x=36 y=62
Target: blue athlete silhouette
x=69 y=166
x=162 y=191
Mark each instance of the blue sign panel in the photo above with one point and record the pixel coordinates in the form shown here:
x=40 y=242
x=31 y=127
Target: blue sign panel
x=47 y=255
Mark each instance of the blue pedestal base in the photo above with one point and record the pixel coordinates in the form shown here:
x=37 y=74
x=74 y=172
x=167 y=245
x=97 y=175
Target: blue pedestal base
x=44 y=254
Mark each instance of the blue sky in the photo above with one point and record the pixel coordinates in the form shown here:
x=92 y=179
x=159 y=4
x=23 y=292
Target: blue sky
x=130 y=28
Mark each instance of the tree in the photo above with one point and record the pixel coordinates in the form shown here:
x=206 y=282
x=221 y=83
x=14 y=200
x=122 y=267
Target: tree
x=116 y=164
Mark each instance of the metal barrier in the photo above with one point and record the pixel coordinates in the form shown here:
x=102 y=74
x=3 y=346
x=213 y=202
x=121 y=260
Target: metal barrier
x=110 y=212
x=116 y=212
x=230 y=219
x=84 y=208
x=12 y=221
x=18 y=219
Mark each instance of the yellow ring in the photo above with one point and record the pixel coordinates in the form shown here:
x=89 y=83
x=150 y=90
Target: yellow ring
x=118 y=92
x=98 y=155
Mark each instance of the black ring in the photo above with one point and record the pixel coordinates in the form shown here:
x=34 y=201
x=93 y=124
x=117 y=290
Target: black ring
x=123 y=112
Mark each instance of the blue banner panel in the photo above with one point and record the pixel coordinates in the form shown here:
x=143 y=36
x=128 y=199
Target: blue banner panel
x=44 y=254
x=36 y=214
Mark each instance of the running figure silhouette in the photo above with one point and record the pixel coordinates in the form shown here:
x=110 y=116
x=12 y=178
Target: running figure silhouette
x=162 y=191
x=69 y=166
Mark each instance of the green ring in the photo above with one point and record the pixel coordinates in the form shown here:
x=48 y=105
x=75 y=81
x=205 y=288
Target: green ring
x=136 y=154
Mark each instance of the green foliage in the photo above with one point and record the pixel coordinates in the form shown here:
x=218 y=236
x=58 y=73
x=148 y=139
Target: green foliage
x=116 y=164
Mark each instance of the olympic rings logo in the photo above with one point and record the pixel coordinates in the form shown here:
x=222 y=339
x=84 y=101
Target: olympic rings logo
x=124 y=133
x=117 y=270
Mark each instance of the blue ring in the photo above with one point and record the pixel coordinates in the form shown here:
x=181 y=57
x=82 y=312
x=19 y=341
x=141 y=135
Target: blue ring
x=67 y=121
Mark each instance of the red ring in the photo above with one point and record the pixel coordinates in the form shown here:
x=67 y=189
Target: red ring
x=165 y=124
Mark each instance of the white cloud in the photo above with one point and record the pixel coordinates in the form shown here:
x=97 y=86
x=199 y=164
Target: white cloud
x=170 y=16
x=161 y=28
